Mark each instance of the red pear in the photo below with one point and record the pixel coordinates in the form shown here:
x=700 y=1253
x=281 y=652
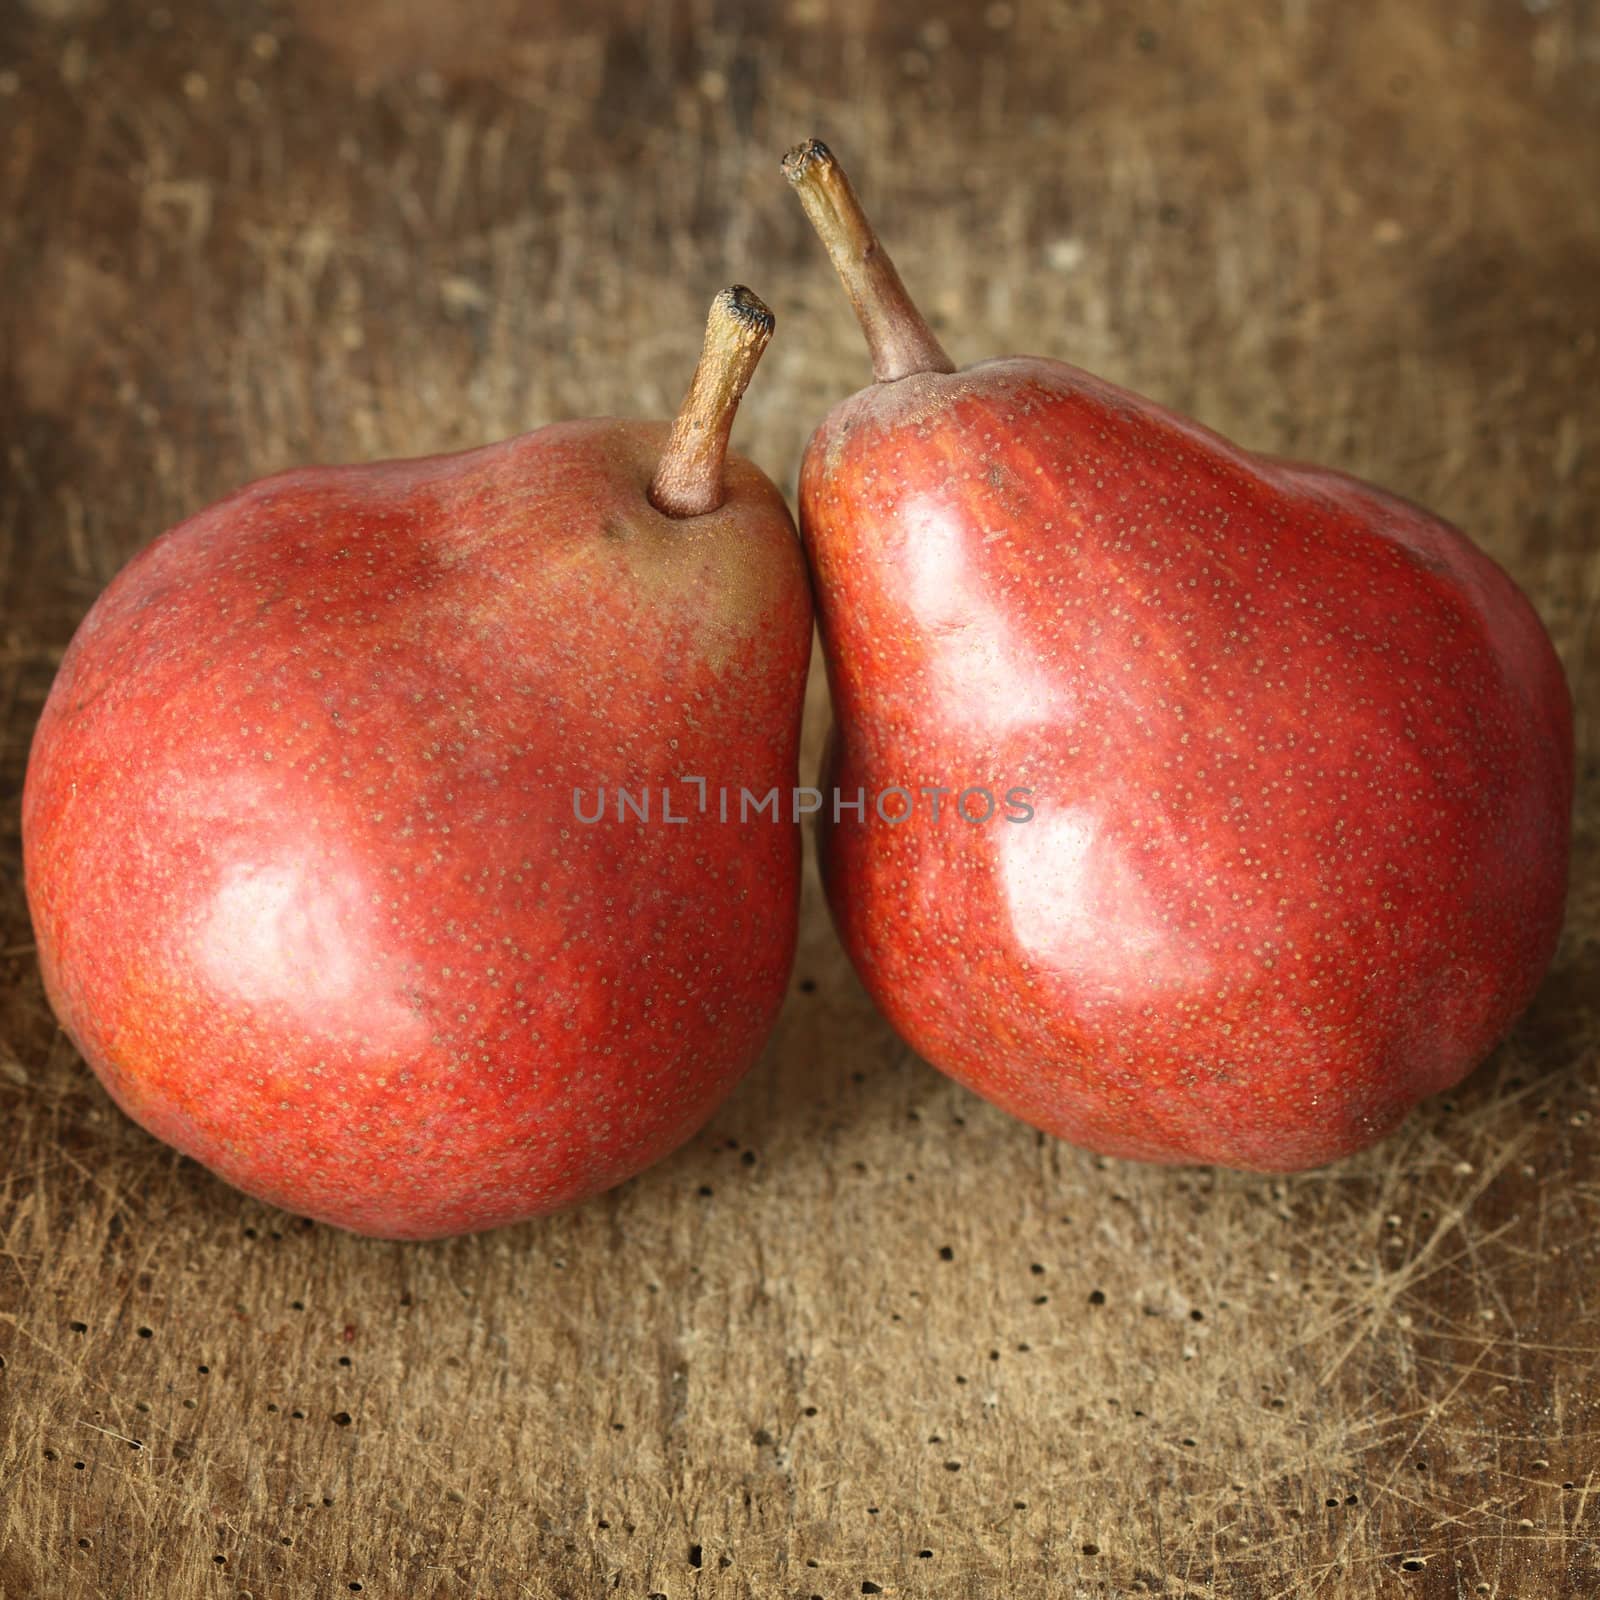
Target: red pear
x=1289 y=760
x=309 y=816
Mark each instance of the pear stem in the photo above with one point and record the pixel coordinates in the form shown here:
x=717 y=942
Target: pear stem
x=898 y=338
x=688 y=478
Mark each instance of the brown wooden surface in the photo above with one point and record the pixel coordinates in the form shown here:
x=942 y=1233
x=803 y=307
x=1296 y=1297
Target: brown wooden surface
x=865 y=1330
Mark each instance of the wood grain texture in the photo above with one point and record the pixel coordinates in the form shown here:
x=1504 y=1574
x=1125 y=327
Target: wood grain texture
x=865 y=1334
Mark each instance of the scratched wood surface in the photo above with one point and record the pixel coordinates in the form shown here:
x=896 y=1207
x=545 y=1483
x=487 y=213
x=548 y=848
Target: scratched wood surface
x=865 y=1335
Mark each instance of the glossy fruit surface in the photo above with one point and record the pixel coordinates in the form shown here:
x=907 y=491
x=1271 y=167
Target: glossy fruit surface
x=1299 y=760
x=309 y=886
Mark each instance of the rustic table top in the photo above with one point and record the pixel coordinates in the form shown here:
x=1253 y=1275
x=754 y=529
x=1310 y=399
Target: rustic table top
x=865 y=1334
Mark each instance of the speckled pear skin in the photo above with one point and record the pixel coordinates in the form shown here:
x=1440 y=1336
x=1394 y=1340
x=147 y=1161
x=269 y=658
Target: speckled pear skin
x=301 y=853
x=1301 y=763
